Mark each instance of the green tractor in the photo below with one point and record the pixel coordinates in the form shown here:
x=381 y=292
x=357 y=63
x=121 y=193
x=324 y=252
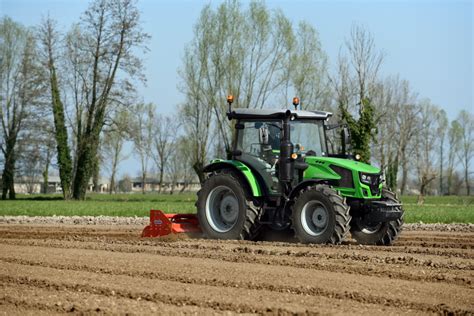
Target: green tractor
x=279 y=175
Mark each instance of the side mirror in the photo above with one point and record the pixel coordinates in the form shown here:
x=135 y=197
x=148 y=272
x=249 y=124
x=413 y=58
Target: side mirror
x=263 y=135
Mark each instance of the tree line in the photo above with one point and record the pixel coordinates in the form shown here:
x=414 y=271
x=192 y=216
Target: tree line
x=69 y=99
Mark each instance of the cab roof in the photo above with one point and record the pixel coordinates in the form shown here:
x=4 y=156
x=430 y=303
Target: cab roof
x=277 y=114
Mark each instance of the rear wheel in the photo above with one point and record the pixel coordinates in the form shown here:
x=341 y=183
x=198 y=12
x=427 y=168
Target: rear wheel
x=320 y=215
x=377 y=234
x=223 y=210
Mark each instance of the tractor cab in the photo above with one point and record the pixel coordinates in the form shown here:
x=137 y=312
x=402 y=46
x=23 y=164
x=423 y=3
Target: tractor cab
x=259 y=135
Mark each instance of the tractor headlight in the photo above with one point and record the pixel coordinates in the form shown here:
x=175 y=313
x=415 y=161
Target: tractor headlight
x=369 y=178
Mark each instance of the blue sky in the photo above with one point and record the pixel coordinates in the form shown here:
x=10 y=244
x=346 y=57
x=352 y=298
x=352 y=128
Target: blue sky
x=427 y=42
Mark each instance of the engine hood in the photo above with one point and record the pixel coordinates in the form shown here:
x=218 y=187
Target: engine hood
x=345 y=163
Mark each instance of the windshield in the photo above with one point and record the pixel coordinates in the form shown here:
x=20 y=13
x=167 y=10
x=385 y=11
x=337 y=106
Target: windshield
x=309 y=135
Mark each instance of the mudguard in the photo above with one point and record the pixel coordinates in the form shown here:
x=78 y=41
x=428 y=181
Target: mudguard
x=241 y=168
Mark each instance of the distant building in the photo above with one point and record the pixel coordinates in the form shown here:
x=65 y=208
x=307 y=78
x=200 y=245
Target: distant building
x=35 y=185
x=152 y=185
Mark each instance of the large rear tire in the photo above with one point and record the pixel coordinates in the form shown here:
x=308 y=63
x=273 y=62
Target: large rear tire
x=379 y=234
x=320 y=215
x=223 y=209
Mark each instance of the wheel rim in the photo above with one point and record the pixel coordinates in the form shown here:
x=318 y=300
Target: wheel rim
x=366 y=228
x=314 y=218
x=222 y=209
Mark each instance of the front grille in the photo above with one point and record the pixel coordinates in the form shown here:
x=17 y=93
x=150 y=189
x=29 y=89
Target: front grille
x=374 y=183
x=346 y=176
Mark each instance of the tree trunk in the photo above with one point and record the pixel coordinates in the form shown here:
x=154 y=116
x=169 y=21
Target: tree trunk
x=46 y=172
x=45 y=181
x=404 y=174
x=199 y=169
x=8 y=188
x=114 y=167
x=96 y=175
x=8 y=176
x=143 y=182
x=86 y=152
x=421 y=197
x=112 y=183
x=161 y=179
x=64 y=155
x=81 y=180
x=466 y=178
x=441 y=162
x=450 y=181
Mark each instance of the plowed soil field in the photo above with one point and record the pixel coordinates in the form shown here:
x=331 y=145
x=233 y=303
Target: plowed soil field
x=111 y=270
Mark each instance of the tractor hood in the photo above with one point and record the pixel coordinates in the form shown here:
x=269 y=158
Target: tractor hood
x=345 y=163
x=345 y=175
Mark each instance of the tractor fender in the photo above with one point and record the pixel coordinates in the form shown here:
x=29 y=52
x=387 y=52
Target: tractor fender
x=242 y=170
x=306 y=183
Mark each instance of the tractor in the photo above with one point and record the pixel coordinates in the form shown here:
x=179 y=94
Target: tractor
x=280 y=174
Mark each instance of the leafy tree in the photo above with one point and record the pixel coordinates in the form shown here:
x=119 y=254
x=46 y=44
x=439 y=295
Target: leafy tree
x=48 y=38
x=362 y=130
x=100 y=59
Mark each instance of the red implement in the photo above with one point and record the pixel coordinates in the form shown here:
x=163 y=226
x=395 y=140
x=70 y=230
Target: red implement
x=164 y=224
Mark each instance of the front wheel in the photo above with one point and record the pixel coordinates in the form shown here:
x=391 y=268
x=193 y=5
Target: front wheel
x=377 y=234
x=223 y=210
x=320 y=215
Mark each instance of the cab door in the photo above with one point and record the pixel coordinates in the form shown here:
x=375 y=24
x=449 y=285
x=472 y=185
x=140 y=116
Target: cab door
x=259 y=144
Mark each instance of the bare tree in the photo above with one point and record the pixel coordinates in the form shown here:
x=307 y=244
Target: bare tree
x=406 y=125
x=454 y=141
x=364 y=59
x=180 y=168
x=308 y=69
x=142 y=136
x=442 y=131
x=195 y=114
x=383 y=150
x=252 y=53
x=424 y=147
x=20 y=88
x=35 y=149
x=112 y=145
x=466 y=148
x=165 y=133
x=357 y=82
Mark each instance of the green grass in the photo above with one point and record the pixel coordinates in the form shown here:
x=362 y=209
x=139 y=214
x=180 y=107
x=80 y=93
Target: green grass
x=99 y=204
x=437 y=209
